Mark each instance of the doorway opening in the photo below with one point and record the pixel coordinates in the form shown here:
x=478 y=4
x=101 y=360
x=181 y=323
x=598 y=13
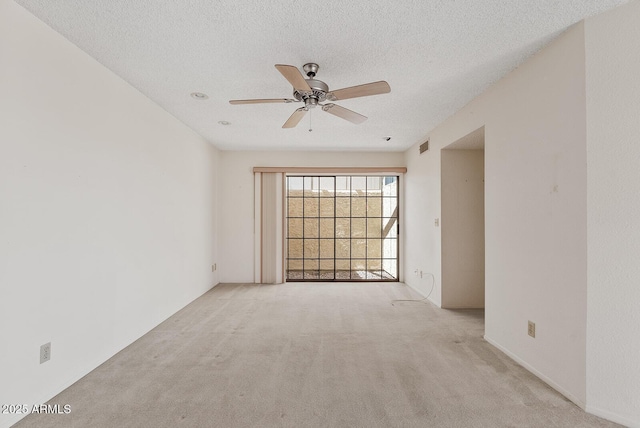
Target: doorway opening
x=342 y=228
x=462 y=228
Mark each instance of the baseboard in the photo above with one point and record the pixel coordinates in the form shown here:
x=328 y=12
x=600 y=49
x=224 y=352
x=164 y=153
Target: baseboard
x=544 y=378
x=613 y=417
x=433 y=302
x=456 y=308
x=53 y=391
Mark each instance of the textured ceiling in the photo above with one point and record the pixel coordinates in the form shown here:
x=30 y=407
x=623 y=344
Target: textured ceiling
x=472 y=141
x=437 y=55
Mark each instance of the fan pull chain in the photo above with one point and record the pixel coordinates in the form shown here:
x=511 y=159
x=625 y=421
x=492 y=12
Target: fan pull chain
x=310 y=121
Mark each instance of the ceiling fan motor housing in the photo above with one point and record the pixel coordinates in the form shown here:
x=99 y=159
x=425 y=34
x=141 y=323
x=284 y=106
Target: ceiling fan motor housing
x=317 y=94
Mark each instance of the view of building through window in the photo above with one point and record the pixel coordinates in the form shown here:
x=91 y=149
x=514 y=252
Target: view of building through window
x=342 y=228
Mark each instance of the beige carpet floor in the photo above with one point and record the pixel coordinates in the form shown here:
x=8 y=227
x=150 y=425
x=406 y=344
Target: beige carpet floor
x=313 y=355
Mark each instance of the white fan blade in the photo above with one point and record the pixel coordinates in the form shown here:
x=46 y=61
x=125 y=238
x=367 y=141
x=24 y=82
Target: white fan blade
x=344 y=113
x=293 y=75
x=365 y=90
x=295 y=118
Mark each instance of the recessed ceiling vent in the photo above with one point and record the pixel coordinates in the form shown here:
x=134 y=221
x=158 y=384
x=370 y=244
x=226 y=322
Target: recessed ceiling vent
x=424 y=147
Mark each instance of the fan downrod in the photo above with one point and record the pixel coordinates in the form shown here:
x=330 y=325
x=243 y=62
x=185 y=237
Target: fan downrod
x=319 y=89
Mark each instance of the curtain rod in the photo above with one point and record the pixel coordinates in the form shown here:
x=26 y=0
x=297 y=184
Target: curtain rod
x=330 y=170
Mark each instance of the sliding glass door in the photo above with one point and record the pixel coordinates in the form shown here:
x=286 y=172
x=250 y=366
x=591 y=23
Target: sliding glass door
x=342 y=228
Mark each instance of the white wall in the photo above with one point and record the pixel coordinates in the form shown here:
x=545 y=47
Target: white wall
x=108 y=211
x=237 y=191
x=462 y=226
x=535 y=211
x=613 y=198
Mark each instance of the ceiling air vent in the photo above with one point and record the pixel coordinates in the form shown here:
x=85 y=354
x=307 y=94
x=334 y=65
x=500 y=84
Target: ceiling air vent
x=424 y=147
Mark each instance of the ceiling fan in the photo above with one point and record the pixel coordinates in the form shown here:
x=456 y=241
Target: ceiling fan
x=313 y=92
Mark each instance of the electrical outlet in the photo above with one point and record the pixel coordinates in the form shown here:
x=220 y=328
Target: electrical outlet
x=45 y=352
x=437 y=222
x=532 y=329
x=214 y=267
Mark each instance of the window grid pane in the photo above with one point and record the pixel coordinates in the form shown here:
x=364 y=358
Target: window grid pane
x=342 y=228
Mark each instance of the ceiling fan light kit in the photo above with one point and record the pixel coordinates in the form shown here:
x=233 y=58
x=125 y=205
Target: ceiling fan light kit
x=312 y=92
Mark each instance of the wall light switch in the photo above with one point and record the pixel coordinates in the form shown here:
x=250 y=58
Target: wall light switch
x=437 y=222
x=532 y=329
x=45 y=352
